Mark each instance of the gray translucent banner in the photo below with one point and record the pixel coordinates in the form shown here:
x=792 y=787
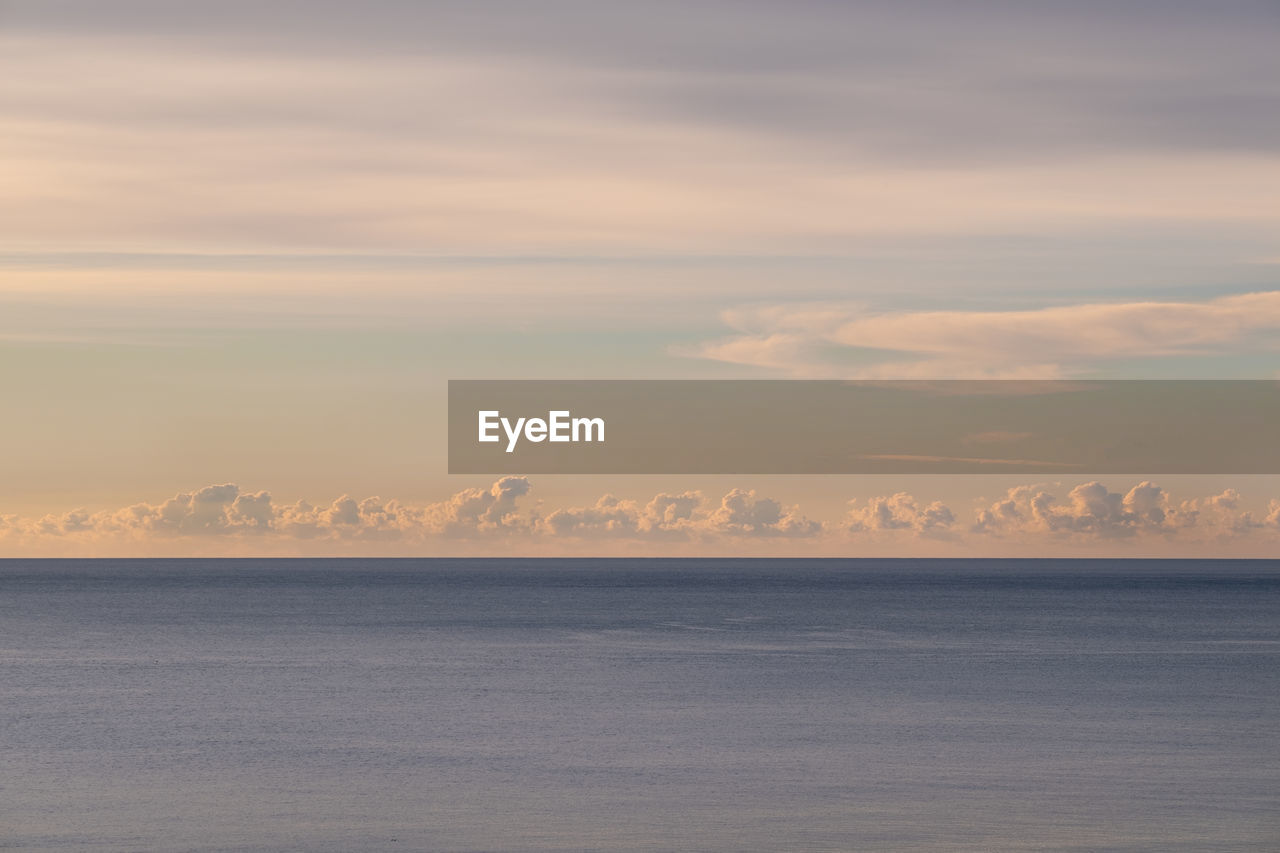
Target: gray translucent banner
x=834 y=427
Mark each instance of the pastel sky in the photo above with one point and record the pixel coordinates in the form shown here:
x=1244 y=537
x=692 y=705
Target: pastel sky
x=243 y=245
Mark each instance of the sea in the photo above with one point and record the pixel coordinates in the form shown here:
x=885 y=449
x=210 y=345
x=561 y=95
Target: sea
x=636 y=705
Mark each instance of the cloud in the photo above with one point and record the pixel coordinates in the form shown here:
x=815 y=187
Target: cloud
x=225 y=510
x=218 y=509
x=480 y=511
x=475 y=513
x=988 y=80
x=666 y=516
x=741 y=513
x=682 y=517
x=1032 y=344
x=902 y=512
x=495 y=517
x=469 y=513
x=612 y=127
x=1091 y=510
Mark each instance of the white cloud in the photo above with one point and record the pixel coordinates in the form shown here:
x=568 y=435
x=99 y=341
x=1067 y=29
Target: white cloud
x=901 y=511
x=1037 y=344
x=741 y=513
x=682 y=517
x=1033 y=515
x=666 y=516
x=1092 y=510
x=225 y=510
x=480 y=511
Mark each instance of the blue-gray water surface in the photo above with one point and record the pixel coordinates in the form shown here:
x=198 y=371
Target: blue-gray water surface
x=860 y=705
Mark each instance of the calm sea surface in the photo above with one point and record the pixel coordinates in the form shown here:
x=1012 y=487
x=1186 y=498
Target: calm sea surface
x=640 y=705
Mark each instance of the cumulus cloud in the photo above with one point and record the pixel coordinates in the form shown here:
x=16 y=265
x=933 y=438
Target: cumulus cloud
x=1091 y=509
x=217 y=509
x=495 y=511
x=1028 y=514
x=480 y=510
x=666 y=516
x=471 y=512
x=901 y=511
x=682 y=516
x=1036 y=344
x=741 y=513
x=226 y=510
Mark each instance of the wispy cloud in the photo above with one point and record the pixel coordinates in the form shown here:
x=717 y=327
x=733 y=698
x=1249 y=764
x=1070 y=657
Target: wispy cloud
x=587 y=127
x=1052 y=342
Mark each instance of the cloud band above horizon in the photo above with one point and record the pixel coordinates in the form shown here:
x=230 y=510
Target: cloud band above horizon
x=1040 y=515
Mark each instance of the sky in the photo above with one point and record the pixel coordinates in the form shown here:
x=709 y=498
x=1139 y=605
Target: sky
x=243 y=247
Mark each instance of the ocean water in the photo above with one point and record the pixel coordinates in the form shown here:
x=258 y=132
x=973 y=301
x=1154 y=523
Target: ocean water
x=640 y=705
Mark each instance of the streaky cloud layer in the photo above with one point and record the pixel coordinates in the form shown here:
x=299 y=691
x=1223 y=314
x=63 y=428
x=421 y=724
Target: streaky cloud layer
x=586 y=127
